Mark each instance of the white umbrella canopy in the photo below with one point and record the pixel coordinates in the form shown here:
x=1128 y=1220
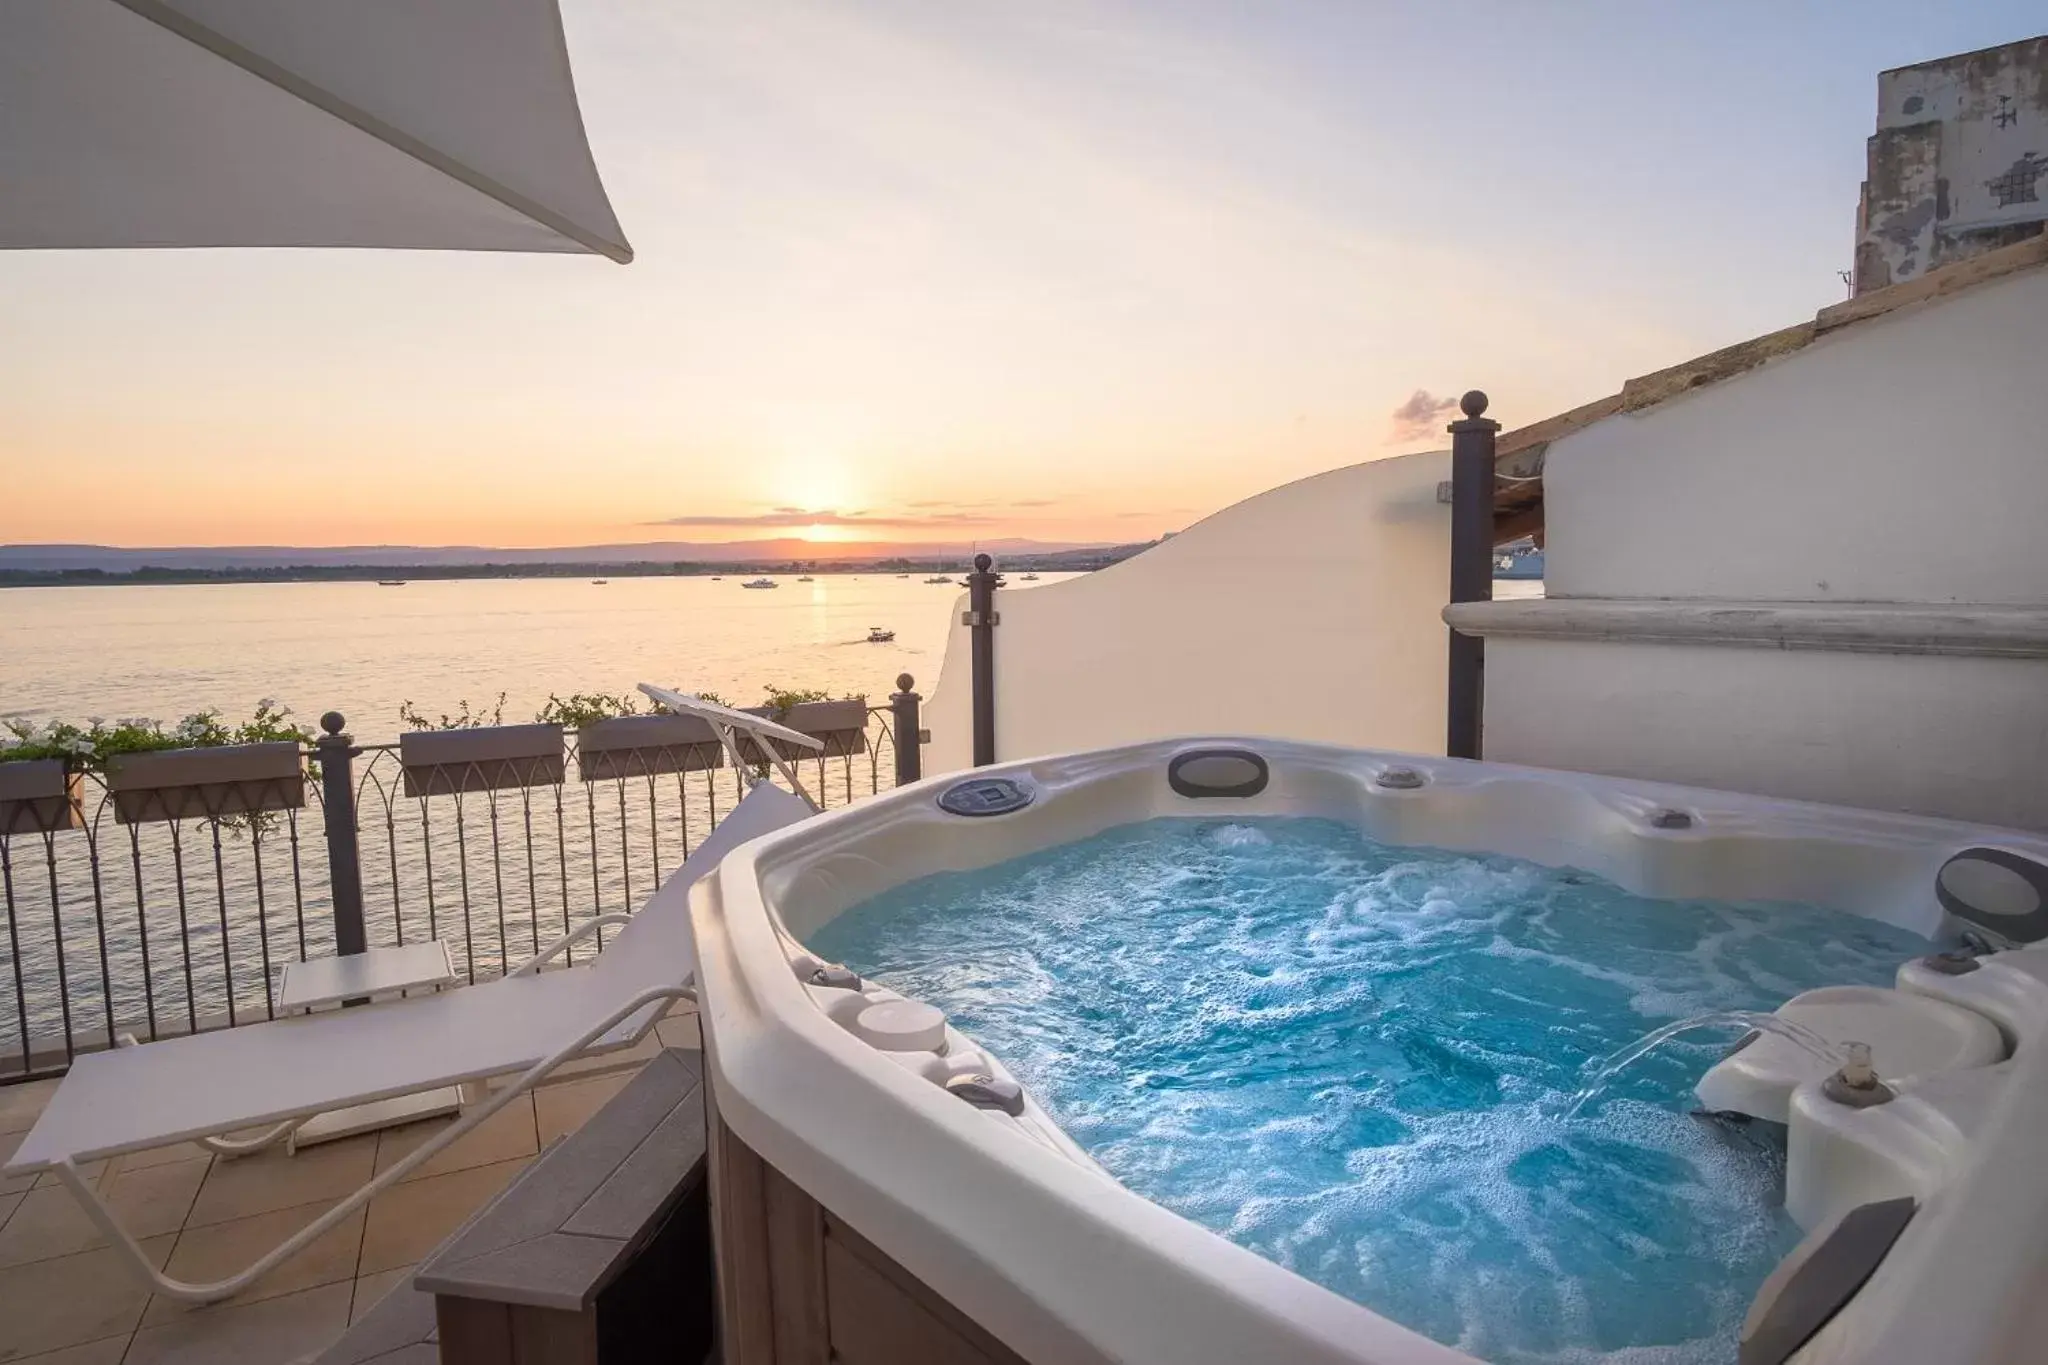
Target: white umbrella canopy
x=448 y=124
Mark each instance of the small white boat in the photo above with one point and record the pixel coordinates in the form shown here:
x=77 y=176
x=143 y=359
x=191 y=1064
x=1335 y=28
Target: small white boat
x=391 y=582
x=878 y=635
x=940 y=578
x=760 y=583
x=1029 y=578
x=600 y=582
x=806 y=579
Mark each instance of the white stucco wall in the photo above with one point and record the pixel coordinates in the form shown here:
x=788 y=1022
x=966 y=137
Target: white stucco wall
x=1965 y=738
x=1900 y=459
x=1310 y=611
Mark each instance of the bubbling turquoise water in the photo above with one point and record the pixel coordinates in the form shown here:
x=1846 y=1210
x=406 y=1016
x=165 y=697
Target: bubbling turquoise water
x=1353 y=1059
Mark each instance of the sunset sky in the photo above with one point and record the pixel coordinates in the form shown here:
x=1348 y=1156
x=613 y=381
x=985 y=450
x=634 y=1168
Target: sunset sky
x=958 y=269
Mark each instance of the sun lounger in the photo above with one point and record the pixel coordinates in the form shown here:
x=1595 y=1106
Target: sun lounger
x=282 y=1072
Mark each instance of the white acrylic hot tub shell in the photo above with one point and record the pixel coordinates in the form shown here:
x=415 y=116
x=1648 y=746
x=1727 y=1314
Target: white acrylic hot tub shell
x=1063 y=1264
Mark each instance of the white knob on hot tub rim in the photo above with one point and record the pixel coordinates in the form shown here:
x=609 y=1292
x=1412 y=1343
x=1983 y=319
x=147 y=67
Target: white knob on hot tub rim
x=902 y=1026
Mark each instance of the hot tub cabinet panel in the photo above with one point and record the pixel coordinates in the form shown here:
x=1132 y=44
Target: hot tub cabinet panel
x=798 y=1286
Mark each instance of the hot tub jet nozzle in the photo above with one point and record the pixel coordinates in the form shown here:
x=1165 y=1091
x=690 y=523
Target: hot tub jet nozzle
x=1856 y=1084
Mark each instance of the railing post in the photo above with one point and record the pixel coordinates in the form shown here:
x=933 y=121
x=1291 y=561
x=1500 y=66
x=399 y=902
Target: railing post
x=338 y=821
x=981 y=620
x=1472 y=444
x=909 y=738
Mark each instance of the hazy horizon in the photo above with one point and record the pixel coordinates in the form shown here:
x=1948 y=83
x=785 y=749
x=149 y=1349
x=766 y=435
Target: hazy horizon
x=920 y=273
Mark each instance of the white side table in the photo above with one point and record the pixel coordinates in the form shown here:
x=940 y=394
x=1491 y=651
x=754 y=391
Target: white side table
x=380 y=973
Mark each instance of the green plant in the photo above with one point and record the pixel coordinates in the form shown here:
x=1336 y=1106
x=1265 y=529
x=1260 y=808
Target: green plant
x=579 y=709
x=466 y=718
x=92 y=746
x=780 y=701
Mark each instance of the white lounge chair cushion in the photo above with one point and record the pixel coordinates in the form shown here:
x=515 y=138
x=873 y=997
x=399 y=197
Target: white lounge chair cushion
x=130 y=1099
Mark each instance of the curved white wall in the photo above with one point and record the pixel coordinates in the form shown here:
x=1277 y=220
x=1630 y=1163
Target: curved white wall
x=1310 y=611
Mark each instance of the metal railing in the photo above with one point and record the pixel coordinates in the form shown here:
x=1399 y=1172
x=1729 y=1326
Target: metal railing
x=176 y=912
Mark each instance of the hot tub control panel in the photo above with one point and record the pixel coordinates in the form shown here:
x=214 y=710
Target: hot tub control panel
x=918 y=1037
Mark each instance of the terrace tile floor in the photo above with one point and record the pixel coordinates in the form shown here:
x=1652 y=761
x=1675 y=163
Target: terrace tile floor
x=65 y=1299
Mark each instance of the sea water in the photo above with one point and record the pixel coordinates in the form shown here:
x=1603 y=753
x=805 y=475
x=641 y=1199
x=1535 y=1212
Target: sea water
x=1354 y=1059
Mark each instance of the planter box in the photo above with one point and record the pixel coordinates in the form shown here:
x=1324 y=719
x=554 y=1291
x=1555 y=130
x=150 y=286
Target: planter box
x=443 y=762
x=638 y=746
x=192 y=784
x=38 y=795
x=842 y=725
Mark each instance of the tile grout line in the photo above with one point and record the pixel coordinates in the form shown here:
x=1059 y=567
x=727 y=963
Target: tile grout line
x=177 y=1236
x=355 y=1279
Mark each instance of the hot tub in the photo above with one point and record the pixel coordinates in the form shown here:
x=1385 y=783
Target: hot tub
x=864 y=1208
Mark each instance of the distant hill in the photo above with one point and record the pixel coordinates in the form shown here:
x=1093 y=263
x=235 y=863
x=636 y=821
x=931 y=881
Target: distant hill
x=29 y=566
x=120 y=559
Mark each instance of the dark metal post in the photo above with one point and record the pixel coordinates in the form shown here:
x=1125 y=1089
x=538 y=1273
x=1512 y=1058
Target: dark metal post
x=909 y=738
x=338 y=819
x=982 y=619
x=1472 y=440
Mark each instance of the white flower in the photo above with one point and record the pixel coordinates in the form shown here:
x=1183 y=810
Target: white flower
x=95 y=721
x=79 y=745
x=267 y=704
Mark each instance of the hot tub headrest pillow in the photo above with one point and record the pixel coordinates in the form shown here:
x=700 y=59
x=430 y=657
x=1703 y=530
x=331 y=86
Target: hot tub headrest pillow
x=1819 y=1278
x=1999 y=891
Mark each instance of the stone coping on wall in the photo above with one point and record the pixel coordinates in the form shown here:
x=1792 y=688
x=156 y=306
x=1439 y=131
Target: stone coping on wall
x=1983 y=631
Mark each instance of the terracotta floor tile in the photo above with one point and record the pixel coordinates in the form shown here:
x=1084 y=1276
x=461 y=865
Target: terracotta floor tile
x=160 y=1156
x=13 y=1184
x=409 y=1221
x=268 y=1332
x=559 y=1109
x=72 y=1300
x=49 y=1222
x=219 y=1250
x=274 y=1180
x=507 y=1134
x=21 y=1105
x=603 y=1063
x=91 y=1170
x=107 y=1351
x=681 y=1031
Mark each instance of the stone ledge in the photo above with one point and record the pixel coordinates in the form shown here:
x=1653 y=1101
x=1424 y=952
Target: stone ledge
x=1981 y=631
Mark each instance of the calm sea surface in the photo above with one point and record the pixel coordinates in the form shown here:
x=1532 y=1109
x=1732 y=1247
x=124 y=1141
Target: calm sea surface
x=165 y=926
x=362 y=649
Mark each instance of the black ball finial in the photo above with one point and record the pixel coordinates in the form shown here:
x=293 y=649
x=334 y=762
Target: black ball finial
x=982 y=563
x=904 y=682
x=1473 y=404
x=332 y=722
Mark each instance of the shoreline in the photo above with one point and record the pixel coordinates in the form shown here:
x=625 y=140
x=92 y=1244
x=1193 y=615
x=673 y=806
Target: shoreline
x=407 y=573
